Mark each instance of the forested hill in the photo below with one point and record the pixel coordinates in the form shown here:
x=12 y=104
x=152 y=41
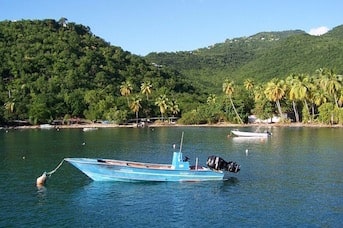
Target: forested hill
x=232 y=53
x=261 y=57
x=52 y=69
x=59 y=70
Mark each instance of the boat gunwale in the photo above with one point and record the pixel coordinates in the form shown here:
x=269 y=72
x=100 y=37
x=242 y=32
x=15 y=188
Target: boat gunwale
x=133 y=164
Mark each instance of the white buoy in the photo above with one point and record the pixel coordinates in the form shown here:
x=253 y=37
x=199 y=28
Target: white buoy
x=246 y=152
x=41 y=180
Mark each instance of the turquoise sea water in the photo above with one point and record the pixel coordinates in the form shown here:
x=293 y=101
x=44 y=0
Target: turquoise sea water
x=292 y=179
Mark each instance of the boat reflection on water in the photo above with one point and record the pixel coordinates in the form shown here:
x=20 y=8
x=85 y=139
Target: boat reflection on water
x=249 y=139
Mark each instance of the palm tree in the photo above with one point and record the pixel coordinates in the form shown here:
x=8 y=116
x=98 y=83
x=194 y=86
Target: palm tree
x=249 y=84
x=315 y=94
x=211 y=99
x=340 y=99
x=136 y=105
x=146 y=89
x=330 y=82
x=275 y=91
x=262 y=105
x=174 y=107
x=258 y=93
x=291 y=82
x=162 y=102
x=334 y=85
x=297 y=91
x=9 y=106
x=319 y=97
x=228 y=89
x=304 y=89
x=125 y=90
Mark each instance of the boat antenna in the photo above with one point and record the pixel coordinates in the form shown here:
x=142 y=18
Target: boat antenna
x=181 y=142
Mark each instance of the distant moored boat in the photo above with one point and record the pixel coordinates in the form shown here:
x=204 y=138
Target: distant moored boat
x=250 y=134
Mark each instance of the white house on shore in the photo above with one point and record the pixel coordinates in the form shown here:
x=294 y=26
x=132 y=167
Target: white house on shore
x=274 y=119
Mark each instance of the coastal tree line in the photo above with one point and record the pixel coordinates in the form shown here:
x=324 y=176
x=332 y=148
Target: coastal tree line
x=304 y=98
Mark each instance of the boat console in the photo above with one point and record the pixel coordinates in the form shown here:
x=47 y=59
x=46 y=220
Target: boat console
x=178 y=162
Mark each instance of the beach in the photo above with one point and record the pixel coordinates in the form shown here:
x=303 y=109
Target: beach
x=153 y=125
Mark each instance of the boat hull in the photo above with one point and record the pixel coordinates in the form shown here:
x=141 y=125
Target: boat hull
x=115 y=170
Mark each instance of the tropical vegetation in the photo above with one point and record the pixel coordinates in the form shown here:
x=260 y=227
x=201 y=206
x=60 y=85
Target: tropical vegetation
x=58 y=70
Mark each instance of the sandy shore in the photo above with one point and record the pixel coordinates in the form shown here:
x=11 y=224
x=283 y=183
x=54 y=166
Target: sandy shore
x=99 y=125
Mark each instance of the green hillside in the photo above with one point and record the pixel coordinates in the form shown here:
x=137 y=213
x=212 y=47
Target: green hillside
x=54 y=70
x=260 y=57
x=297 y=54
x=60 y=70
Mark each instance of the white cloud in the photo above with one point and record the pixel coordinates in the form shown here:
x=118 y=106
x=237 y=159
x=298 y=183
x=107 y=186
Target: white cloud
x=318 y=31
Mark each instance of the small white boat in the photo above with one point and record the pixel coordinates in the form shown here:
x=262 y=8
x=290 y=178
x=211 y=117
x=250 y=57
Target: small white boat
x=250 y=134
x=89 y=129
x=46 y=126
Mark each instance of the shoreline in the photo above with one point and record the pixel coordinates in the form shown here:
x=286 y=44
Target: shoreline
x=99 y=125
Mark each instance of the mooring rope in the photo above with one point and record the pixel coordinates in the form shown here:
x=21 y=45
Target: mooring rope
x=53 y=171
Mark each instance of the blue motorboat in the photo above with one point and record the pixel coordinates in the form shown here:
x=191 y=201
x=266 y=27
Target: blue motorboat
x=179 y=170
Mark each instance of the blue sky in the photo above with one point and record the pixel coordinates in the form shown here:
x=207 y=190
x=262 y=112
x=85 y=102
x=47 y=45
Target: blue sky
x=144 y=26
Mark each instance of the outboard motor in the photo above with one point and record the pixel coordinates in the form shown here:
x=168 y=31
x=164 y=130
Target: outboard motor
x=217 y=163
